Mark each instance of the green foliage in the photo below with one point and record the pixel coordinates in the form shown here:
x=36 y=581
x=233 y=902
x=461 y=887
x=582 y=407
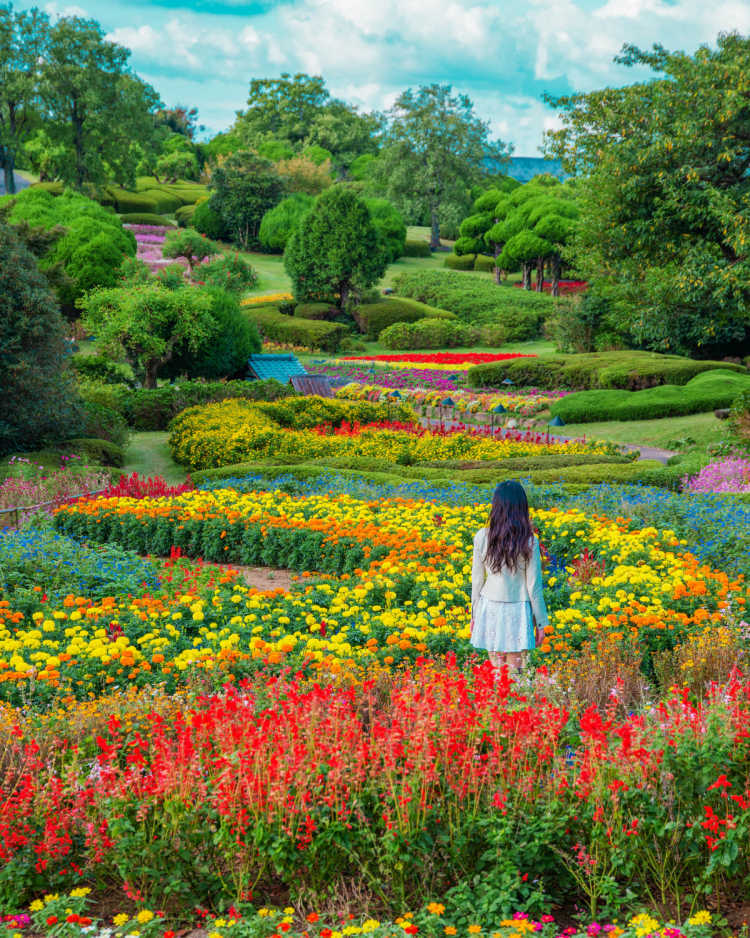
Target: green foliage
x=154 y=408
x=244 y=188
x=128 y=203
x=315 y=310
x=100 y=368
x=188 y=243
x=98 y=452
x=226 y=348
x=103 y=422
x=280 y=221
x=484 y=263
x=373 y=318
x=629 y=370
x=390 y=227
x=38 y=396
x=459 y=261
x=166 y=202
x=705 y=392
x=272 y=325
x=434 y=149
x=335 y=250
x=361 y=167
x=147 y=324
x=229 y=272
x=145 y=218
x=479 y=301
x=579 y=320
x=207 y=221
x=92 y=245
x=739 y=419
x=184 y=215
x=429 y=333
x=413 y=248
x=662 y=232
x=180 y=164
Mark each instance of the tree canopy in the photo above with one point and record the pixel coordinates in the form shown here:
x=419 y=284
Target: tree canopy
x=664 y=226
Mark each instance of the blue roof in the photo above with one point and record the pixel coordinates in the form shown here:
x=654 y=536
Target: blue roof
x=280 y=367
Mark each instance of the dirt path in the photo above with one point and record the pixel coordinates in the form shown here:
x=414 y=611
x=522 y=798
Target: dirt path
x=265 y=579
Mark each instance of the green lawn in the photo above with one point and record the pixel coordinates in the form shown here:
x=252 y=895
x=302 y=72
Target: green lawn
x=148 y=455
x=696 y=431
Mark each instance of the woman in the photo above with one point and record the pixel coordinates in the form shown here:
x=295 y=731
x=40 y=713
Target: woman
x=506 y=581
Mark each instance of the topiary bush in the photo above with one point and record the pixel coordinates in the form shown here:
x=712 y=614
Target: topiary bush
x=373 y=318
x=293 y=330
x=484 y=263
x=184 y=215
x=429 y=333
x=280 y=221
x=316 y=311
x=145 y=218
x=102 y=369
x=459 y=261
x=103 y=422
x=100 y=452
x=229 y=272
x=207 y=221
x=413 y=248
x=128 y=203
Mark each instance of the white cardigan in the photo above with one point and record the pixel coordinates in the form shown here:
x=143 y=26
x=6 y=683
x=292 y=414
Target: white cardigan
x=508 y=586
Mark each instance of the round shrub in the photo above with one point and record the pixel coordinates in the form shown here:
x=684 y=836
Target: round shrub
x=413 y=248
x=229 y=272
x=102 y=369
x=459 y=262
x=390 y=227
x=315 y=311
x=145 y=218
x=207 y=221
x=280 y=221
x=484 y=263
x=184 y=215
x=103 y=422
x=428 y=333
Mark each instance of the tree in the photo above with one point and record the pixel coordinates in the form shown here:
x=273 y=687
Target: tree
x=244 y=187
x=280 y=221
x=179 y=119
x=94 y=106
x=284 y=107
x=334 y=252
x=180 y=164
x=435 y=147
x=664 y=226
x=39 y=401
x=23 y=41
x=301 y=174
x=187 y=243
x=390 y=227
x=147 y=324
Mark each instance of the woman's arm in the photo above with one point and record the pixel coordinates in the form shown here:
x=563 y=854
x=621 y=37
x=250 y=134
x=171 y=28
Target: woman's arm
x=535 y=588
x=478 y=573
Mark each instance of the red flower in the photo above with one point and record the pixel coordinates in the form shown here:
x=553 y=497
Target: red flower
x=52 y=920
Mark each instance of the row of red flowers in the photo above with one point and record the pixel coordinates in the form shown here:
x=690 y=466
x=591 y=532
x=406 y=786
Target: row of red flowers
x=441 y=358
x=397 y=426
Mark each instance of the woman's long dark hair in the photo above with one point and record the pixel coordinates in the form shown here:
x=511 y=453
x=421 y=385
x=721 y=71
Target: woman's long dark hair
x=510 y=534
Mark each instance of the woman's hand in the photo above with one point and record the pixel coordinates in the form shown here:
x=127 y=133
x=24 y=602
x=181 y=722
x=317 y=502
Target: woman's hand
x=539 y=634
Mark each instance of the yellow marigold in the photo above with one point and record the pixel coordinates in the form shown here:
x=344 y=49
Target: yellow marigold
x=700 y=918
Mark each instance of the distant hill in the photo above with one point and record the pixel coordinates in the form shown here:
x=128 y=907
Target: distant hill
x=524 y=168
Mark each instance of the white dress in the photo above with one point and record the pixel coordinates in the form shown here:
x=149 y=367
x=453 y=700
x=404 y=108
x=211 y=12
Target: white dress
x=505 y=603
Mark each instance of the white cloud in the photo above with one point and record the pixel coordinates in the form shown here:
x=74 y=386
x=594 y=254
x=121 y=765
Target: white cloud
x=55 y=12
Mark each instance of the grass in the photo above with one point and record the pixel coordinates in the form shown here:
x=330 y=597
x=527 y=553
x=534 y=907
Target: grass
x=696 y=431
x=148 y=455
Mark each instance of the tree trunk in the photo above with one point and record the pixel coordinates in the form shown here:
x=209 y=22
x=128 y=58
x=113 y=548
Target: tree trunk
x=6 y=155
x=435 y=233
x=556 y=265
x=539 y=274
x=78 y=144
x=344 y=294
x=526 y=268
x=496 y=254
x=149 y=375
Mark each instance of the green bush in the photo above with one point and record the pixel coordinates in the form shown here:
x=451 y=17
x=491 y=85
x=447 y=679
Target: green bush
x=478 y=300
x=128 y=203
x=207 y=221
x=739 y=419
x=280 y=221
x=229 y=272
x=102 y=422
x=629 y=370
x=154 y=408
x=459 y=261
x=184 y=215
x=100 y=452
x=484 y=263
x=429 y=333
x=705 y=392
x=390 y=227
x=145 y=218
x=414 y=248
x=102 y=369
x=166 y=202
x=272 y=325
x=315 y=311
x=373 y=318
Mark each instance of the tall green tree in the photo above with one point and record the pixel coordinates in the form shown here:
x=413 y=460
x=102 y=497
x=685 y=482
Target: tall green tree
x=23 y=42
x=243 y=188
x=36 y=388
x=335 y=250
x=435 y=148
x=665 y=218
x=95 y=107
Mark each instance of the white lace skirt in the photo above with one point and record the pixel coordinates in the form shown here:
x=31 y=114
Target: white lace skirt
x=503 y=626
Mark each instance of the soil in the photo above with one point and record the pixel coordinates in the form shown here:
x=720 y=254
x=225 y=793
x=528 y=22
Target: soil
x=265 y=579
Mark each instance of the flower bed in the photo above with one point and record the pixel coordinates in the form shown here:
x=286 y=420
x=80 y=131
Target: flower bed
x=447 y=360
x=725 y=475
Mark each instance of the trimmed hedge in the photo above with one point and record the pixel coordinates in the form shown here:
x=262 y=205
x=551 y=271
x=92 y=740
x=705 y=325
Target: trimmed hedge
x=155 y=408
x=128 y=203
x=484 y=263
x=459 y=261
x=429 y=333
x=478 y=300
x=739 y=419
x=705 y=392
x=273 y=325
x=145 y=218
x=414 y=248
x=315 y=311
x=628 y=370
x=184 y=215
x=373 y=318
x=100 y=452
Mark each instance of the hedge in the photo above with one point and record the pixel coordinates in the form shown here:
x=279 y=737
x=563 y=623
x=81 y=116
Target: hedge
x=414 y=248
x=145 y=218
x=273 y=325
x=484 y=263
x=459 y=261
x=429 y=333
x=99 y=452
x=373 y=318
x=318 y=311
x=154 y=408
x=628 y=370
x=184 y=215
x=705 y=392
x=128 y=203
x=739 y=418
x=478 y=300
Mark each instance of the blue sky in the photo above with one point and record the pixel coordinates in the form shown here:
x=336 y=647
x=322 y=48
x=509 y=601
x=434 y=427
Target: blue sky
x=504 y=53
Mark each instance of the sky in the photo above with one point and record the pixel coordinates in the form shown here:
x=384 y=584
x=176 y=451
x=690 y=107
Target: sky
x=505 y=54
